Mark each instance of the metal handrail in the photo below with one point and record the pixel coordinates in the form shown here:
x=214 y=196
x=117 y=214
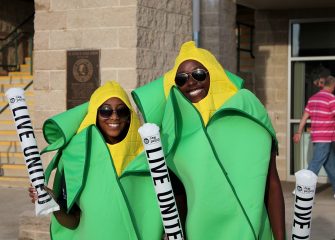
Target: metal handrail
x=7 y=105
x=16 y=37
x=14 y=42
x=17 y=27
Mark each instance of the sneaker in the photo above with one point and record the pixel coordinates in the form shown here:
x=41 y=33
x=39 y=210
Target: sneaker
x=293 y=192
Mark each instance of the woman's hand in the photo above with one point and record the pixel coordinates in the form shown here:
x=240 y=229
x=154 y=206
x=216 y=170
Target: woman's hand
x=32 y=194
x=69 y=220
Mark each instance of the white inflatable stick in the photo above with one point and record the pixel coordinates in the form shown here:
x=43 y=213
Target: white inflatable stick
x=45 y=203
x=159 y=172
x=303 y=204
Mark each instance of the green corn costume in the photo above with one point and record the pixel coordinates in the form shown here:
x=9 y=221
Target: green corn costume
x=111 y=184
x=219 y=148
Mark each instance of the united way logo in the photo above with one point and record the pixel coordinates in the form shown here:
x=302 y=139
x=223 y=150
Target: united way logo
x=306 y=189
x=16 y=99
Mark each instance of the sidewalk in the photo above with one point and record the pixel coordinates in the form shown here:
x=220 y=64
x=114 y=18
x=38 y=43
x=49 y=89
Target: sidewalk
x=14 y=201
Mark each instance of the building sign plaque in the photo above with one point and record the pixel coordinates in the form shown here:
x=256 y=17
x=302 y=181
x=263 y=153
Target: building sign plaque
x=83 y=75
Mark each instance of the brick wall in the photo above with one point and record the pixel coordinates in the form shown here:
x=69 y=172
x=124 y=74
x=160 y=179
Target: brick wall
x=217 y=30
x=271 y=39
x=162 y=27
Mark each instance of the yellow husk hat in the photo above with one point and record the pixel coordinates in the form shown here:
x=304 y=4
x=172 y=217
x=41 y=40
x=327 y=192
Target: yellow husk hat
x=221 y=88
x=126 y=150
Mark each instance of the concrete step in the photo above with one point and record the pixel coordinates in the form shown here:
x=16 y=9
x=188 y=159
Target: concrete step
x=12 y=158
x=16 y=79
x=28 y=94
x=5 y=86
x=25 y=68
x=27 y=60
x=7 y=124
x=8 y=135
x=7 y=115
x=10 y=146
x=13 y=170
x=30 y=103
x=18 y=73
x=3 y=72
x=14 y=182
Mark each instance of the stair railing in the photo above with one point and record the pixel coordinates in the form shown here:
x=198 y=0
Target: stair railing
x=13 y=40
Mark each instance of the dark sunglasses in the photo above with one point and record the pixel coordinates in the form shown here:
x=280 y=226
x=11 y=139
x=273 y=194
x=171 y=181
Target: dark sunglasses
x=106 y=111
x=197 y=74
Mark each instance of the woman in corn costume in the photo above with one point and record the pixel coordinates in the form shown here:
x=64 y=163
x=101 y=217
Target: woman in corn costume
x=109 y=182
x=221 y=145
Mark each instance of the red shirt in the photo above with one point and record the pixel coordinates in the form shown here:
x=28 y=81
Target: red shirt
x=321 y=109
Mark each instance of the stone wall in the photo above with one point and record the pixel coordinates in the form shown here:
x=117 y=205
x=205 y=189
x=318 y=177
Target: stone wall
x=217 y=30
x=271 y=39
x=162 y=28
x=271 y=66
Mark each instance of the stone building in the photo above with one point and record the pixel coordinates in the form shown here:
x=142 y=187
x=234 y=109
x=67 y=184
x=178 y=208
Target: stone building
x=277 y=46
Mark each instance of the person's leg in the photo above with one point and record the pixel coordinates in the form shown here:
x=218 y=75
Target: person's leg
x=330 y=166
x=320 y=156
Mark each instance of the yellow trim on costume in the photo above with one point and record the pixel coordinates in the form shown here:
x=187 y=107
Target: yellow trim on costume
x=221 y=88
x=126 y=150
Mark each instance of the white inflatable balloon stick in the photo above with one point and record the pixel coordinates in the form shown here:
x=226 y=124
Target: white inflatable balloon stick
x=45 y=203
x=159 y=172
x=303 y=204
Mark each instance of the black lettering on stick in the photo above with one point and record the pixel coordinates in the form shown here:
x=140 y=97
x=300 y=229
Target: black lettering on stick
x=27 y=133
x=26 y=153
x=17 y=109
x=299 y=237
x=23 y=125
x=152 y=151
x=165 y=196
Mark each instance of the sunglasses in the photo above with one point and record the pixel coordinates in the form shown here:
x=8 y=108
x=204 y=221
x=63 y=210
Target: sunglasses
x=106 y=111
x=197 y=74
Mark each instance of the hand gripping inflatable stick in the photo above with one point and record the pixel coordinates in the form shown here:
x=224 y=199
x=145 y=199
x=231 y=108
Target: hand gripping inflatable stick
x=153 y=147
x=45 y=203
x=303 y=204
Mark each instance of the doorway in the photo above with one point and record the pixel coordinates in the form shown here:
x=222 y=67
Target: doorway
x=311 y=54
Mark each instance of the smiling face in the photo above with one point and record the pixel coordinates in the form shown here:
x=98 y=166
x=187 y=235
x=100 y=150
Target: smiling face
x=193 y=90
x=113 y=120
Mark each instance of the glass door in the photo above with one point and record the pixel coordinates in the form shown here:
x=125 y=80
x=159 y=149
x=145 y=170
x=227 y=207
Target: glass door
x=311 y=54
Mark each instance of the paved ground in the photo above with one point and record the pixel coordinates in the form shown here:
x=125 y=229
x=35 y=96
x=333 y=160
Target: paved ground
x=15 y=200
